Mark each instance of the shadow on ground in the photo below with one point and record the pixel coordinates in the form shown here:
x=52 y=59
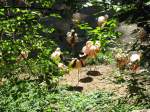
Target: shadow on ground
x=94 y=73
x=86 y=80
x=75 y=88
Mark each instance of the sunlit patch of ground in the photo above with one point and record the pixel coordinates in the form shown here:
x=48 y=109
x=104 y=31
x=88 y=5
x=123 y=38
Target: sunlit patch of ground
x=93 y=78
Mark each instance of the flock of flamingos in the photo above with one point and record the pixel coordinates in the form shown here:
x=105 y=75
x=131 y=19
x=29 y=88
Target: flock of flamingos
x=90 y=50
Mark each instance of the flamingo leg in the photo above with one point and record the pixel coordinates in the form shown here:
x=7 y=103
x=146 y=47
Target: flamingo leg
x=95 y=64
x=78 y=76
x=94 y=67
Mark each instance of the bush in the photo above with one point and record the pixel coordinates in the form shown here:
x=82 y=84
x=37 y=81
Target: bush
x=25 y=46
x=106 y=35
x=30 y=96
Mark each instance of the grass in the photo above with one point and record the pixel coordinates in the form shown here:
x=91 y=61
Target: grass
x=33 y=97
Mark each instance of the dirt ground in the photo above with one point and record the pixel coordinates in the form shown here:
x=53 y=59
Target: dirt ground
x=93 y=78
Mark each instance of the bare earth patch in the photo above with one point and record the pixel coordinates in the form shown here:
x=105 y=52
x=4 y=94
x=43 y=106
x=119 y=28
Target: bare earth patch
x=93 y=79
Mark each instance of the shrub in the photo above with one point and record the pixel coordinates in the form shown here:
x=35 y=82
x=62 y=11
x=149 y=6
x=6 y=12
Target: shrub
x=25 y=46
x=106 y=35
x=30 y=96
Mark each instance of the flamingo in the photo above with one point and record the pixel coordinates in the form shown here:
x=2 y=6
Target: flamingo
x=72 y=38
x=142 y=34
x=91 y=49
x=23 y=55
x=135 y=57
x=62 y=66
x=77 y=63
x=56 y=55
x=86 y=48
x=134 y=62
x=122 y=60
x=101 y=21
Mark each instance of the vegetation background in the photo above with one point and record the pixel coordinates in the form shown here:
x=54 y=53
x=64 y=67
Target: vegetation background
x=30 y=30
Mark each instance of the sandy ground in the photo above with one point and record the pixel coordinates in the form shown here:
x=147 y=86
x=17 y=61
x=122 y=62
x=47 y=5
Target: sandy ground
x=93 y=78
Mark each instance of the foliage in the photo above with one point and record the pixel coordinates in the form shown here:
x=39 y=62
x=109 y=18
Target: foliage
x=102 y=58
x=30 y=96
x=22 y=97
x=106 y=35
x=24 y=32
x=138 y=86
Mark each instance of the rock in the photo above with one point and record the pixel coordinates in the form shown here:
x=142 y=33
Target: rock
x=61 y=25
x=61 y=7
x=78 y=17
x=128 y=36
